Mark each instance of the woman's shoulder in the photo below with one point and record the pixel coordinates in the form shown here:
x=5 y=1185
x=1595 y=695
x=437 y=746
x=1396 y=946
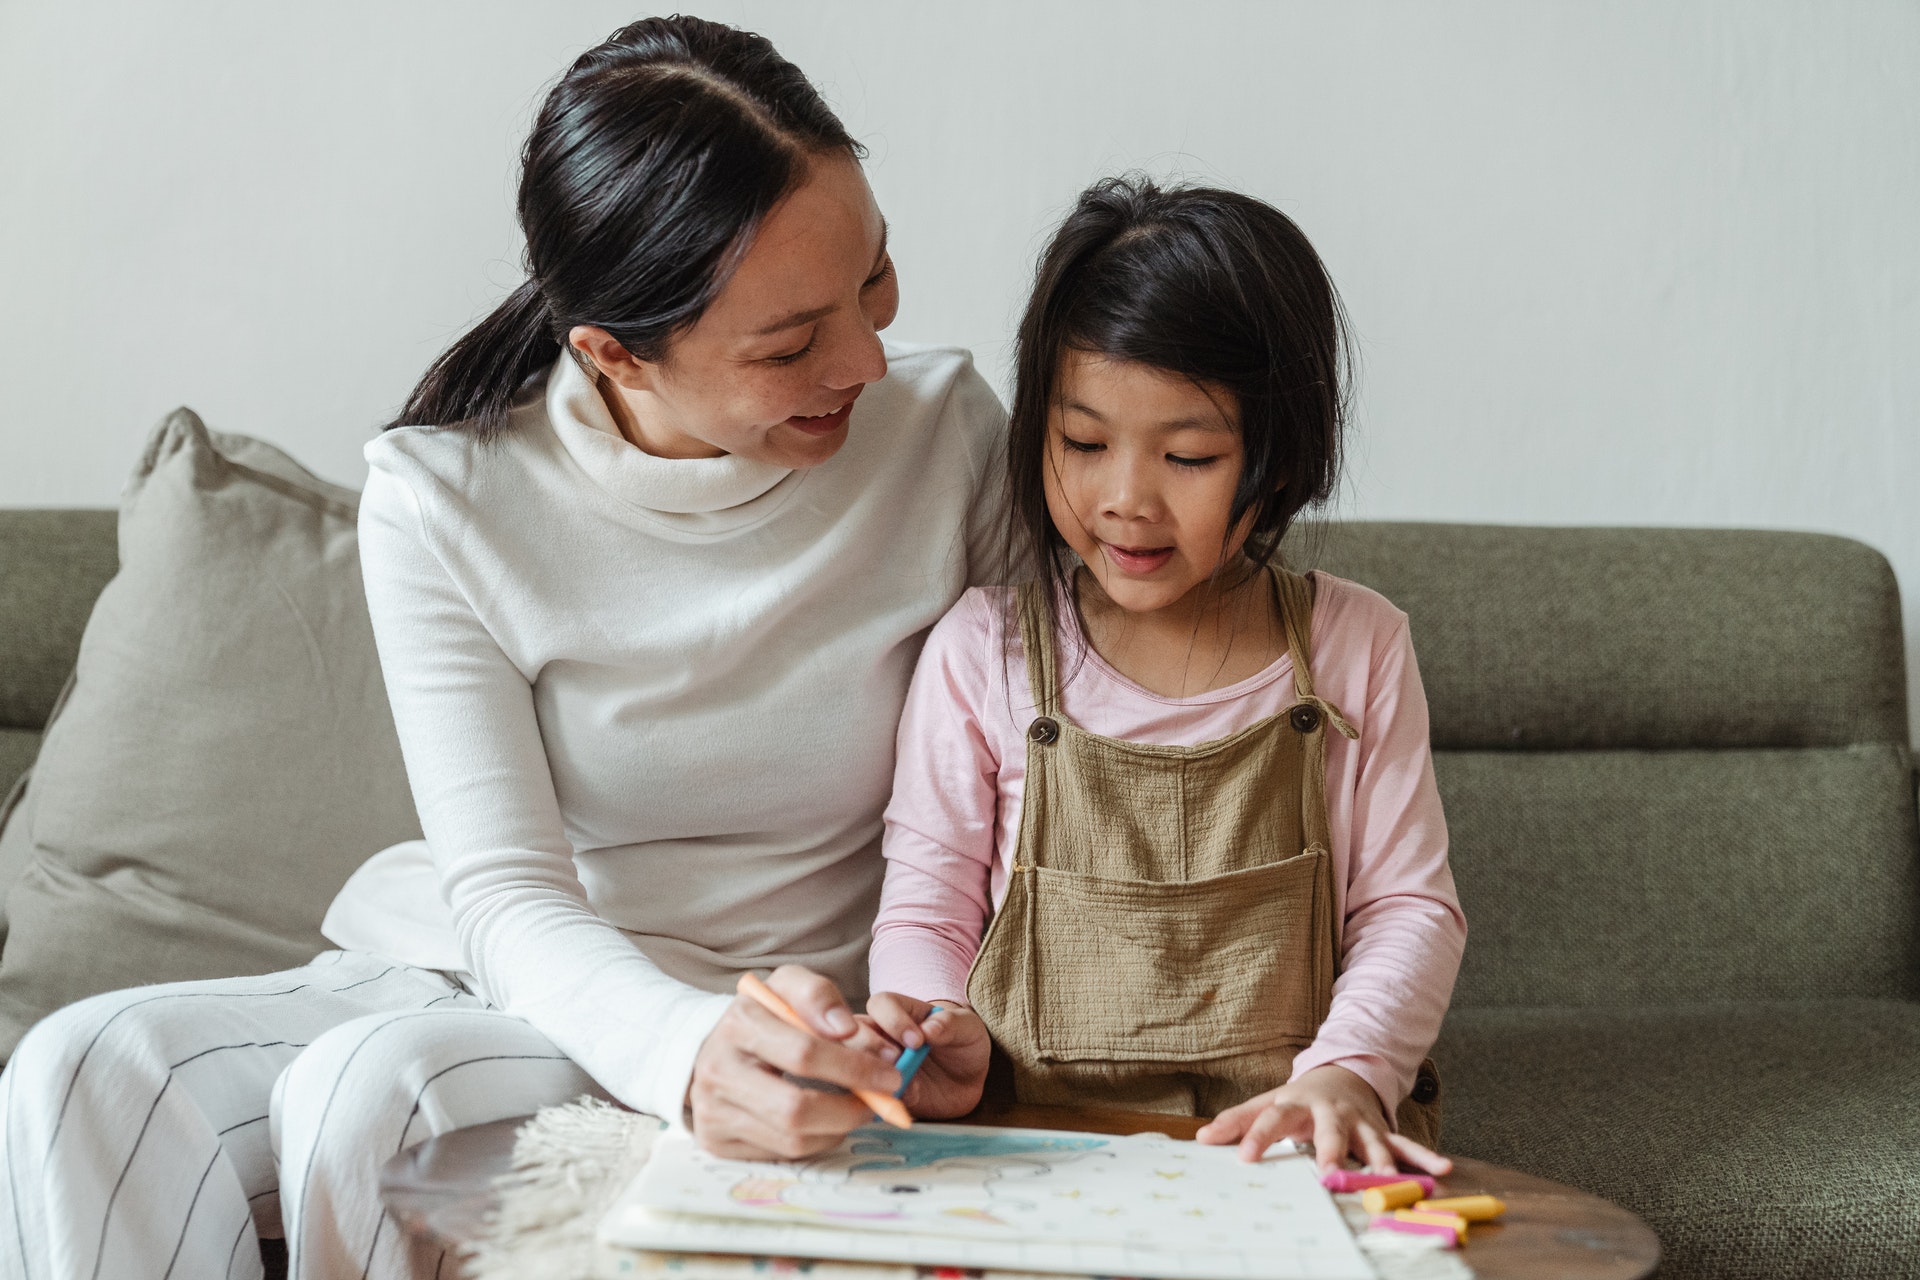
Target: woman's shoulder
x=939 y=383
x=454 y=459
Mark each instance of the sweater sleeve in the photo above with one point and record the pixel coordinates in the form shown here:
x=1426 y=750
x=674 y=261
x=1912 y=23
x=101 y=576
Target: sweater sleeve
x=940 y=824
x=485 y=795
x=1404 y=933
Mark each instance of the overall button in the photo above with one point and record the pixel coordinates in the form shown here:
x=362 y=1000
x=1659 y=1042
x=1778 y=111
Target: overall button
x=1045 y=730
x=1305 y=717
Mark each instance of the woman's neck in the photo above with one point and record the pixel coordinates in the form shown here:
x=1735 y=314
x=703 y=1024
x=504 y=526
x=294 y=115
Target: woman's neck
x=1216 y=635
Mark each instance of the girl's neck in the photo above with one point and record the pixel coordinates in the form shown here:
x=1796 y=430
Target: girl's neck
x=1216 y=635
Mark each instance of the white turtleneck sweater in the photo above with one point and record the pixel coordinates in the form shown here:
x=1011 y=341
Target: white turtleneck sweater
x=648 y=706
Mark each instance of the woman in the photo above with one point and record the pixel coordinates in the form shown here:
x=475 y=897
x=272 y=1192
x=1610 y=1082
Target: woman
x=647 y=604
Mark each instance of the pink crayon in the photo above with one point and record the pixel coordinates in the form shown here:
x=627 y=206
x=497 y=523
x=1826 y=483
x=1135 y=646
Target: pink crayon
x=1353 y=1180
x=1447 y=1236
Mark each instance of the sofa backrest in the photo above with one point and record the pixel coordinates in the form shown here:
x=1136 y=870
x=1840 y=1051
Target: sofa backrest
x=1675 y=762
x=53 y=565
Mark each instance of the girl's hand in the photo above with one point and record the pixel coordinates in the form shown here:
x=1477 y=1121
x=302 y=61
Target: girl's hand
x=745 y=1108
x=950 y=1080
x=1334 y=1109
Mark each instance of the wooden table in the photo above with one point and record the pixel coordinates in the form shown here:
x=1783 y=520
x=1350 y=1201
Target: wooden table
x=443 y=1189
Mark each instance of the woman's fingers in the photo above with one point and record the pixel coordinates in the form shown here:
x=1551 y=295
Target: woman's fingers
x=815 y=999
x=765 y=1037
x=1426 y=1159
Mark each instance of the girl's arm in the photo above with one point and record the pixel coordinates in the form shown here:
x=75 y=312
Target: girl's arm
x=1404 y=933
x=941 y=823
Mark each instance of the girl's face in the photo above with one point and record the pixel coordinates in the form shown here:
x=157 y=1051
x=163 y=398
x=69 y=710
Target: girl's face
x=770 y=371
x=1140 y=473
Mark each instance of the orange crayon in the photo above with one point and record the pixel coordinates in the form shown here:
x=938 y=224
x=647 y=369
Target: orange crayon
x=1472 y=1208
x=890 y=1109
x=1395 y=1195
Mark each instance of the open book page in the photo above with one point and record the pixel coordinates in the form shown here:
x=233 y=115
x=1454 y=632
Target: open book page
x=1006 y=1199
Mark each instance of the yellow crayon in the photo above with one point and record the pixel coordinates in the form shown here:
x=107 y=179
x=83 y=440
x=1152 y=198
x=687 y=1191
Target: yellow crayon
x=1472 y=1208
x=1454 y=1221
x=1395 y=1195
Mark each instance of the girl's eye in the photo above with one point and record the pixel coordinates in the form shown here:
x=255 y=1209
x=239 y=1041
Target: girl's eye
x=1082 y=446
x=1179 y=461
x=791 y=356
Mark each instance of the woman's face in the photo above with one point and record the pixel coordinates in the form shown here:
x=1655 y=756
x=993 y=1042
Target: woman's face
x=771 y=370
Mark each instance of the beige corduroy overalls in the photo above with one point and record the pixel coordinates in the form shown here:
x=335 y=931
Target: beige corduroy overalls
x=1168 y=940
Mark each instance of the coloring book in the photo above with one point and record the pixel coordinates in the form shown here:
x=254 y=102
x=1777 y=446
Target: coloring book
x=1002 y=1199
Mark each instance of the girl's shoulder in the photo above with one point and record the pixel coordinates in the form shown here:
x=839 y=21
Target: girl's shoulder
x=1351 y=618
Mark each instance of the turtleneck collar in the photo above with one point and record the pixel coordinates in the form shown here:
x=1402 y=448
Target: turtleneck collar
x=697 y=487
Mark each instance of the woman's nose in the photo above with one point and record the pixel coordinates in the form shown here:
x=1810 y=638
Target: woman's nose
x=860 y=359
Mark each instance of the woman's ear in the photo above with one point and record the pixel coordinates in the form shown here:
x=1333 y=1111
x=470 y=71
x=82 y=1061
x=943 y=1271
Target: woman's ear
x=610 y=359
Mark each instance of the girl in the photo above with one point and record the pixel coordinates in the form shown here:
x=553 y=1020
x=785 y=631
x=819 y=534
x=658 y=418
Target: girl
x=1191 y=788
x=646 y=666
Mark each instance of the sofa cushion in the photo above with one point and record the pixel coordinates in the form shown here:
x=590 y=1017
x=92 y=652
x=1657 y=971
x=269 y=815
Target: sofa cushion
x=52 y=565
x=1637 y=877
x=1553 y=639
x=226 y=757
x=1765 y=1140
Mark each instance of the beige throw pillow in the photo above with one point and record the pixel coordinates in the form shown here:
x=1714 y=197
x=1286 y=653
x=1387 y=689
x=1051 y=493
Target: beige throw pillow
x=225 y=758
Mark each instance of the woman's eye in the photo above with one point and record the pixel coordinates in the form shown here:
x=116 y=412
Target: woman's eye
x=1179 y=461
x=880 y=276
x=791 y=356
x=1082 y=446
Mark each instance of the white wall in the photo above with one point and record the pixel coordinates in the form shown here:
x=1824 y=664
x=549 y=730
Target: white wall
x=1646 y=262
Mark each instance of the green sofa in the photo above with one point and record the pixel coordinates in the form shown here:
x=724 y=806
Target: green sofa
x=1677 y=776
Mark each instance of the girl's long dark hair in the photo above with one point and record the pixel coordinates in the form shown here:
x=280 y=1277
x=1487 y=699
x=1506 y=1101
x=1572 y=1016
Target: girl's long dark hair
x=1206 y=284
x=650 y=165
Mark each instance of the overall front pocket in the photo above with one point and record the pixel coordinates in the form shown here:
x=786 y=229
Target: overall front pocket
x=1145 y=971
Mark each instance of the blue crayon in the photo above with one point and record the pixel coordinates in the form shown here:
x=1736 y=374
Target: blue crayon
x=910 y=1059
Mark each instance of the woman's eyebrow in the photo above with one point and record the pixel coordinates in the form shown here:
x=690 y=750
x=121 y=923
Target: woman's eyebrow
x=808 y=316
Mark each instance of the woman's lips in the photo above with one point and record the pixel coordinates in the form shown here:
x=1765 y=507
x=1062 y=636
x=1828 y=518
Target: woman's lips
x=826 y=423
x=1137 y=560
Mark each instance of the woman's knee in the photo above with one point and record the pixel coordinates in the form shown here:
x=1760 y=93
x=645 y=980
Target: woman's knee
x=379 y=1084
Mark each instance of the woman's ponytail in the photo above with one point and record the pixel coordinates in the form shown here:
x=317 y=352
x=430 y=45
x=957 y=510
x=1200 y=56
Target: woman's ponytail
x=650 y=163
x=475 y=380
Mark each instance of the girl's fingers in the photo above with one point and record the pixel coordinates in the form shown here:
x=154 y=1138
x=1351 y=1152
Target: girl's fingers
x=899 y=1016
x=1330 y=1139
x=1274 y=1122
x=1230 y=1125
x=1371 y=1146
x=1426 y=1159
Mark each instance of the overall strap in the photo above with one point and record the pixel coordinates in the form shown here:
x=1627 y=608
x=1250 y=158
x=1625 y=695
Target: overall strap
x=1036 y=639
x=1296 y=613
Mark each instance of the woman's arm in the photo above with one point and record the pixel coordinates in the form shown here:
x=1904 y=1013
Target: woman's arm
x=535 y=945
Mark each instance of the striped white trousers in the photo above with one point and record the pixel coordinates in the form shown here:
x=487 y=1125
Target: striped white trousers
x=161 y=1132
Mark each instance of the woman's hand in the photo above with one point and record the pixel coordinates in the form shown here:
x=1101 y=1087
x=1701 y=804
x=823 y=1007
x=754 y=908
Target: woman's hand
x=949 y=1082
x=745 y=1108
x=1334 y=1109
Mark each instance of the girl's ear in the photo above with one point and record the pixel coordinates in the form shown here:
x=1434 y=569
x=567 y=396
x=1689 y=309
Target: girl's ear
x=610 y=359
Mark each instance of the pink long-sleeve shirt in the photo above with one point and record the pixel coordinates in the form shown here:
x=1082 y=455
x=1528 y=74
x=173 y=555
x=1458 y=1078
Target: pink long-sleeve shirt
x=954 y=820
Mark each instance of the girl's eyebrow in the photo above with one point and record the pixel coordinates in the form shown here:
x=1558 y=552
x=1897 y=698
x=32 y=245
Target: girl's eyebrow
x=799 y=318
x=1192 y=422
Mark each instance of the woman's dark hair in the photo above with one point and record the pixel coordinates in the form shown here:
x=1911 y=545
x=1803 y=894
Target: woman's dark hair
x=648 y=169
x=1205 y=284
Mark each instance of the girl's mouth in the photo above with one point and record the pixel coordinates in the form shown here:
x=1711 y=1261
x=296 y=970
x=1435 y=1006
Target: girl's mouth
x=1137 y=560
x=824 y=424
